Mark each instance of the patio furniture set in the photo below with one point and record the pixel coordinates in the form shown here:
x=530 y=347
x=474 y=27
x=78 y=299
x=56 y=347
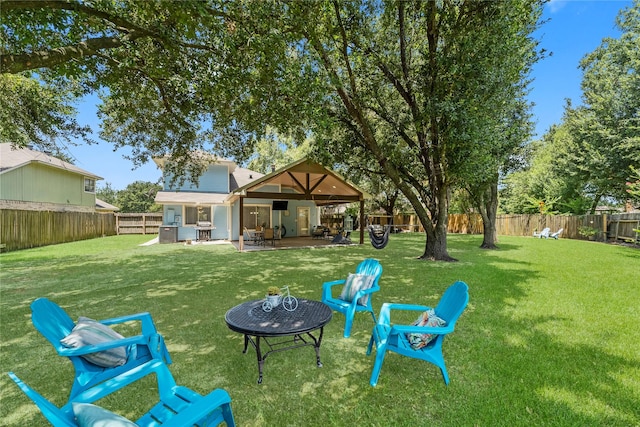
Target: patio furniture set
x=105 y=362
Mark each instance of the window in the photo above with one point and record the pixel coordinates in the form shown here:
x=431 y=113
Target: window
x=254 y=215
x=193 y=214
x=90 y=185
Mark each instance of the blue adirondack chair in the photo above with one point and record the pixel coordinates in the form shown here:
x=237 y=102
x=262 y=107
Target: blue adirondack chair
x=369 y=266
x=178 y=406
x=55 y=324
x=398 y=338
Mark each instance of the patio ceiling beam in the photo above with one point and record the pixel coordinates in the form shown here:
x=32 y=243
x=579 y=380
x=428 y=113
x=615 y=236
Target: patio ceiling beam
x=317 y=184
x=293 y=178
x=292 y=196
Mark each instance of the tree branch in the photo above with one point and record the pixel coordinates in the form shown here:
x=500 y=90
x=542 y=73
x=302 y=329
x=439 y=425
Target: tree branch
x=343 y=50
x=50 y=58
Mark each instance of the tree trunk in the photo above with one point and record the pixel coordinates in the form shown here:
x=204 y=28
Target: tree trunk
x=436 y=232
x=594 y=205
x=489 y=212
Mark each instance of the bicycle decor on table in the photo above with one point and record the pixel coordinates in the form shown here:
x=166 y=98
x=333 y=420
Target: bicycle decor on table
x=288 y=302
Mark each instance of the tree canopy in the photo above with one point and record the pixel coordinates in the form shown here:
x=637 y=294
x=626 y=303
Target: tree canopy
x=419 y=92
x=139 y=196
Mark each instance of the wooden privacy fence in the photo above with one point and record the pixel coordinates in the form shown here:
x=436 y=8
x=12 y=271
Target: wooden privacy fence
x=606 y=227
x=138 y=223
x=21 y=229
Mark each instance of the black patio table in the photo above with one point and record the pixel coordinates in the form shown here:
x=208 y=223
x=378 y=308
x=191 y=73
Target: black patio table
x=255 y=324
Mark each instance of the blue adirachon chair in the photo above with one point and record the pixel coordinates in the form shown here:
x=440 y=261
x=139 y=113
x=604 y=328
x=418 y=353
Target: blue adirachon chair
x=104 y=354
x=177 y=406
x=422 y=339
x=356 y=292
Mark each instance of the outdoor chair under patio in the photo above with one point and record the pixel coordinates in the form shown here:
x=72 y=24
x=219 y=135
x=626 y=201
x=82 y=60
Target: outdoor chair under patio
x=422 y=339
x=97 y=352
x=178 y=406
x=356 y=292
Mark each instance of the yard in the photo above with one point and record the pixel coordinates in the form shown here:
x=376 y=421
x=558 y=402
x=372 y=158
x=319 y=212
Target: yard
x=550 y=336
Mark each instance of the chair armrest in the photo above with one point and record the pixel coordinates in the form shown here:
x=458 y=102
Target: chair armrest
x=88 y=349
x=326 y=288
x=148 y=327
x=385 y=311
x=363 y=292
x=410 y=329
x=199 y=409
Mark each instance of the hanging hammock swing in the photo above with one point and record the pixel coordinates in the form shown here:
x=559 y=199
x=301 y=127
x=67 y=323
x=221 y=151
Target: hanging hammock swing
x=379 y=239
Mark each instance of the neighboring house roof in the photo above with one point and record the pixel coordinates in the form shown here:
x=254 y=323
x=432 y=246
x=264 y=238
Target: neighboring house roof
x=101 y=205
x=241 y=177
x=11 y=159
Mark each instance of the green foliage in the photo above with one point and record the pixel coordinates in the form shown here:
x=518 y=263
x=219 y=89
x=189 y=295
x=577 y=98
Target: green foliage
x=606 y=129
x=549 y=336
x=37 y=114
x=587 y=231
x=586 y=158
x=544 y=180
x=276 y=151
x=138 y=197
x=107 y=194
x=633 y=186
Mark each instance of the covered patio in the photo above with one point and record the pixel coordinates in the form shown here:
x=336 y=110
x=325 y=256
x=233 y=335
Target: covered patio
x=301 y=180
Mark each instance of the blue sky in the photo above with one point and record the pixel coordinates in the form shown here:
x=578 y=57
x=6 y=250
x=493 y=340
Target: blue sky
x=574 y=28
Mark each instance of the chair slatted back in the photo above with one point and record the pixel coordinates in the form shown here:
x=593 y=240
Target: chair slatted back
x=51 y=320
x=371 y=267
x=453 y=302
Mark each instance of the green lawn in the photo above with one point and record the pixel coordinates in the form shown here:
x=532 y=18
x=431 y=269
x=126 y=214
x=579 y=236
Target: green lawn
x=550 y=337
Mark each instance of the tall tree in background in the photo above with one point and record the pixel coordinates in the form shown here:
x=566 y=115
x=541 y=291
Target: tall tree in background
x=587 y=157
x=107 y=194
x=605 y=130
x=273 y=150
x=139 y=196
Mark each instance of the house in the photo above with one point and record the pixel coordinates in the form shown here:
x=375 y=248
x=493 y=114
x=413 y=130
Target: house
x=32 y=180
x=104 y=207
x=229 y=198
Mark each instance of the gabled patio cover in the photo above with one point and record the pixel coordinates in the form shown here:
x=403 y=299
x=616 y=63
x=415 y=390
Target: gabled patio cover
x=309 y=181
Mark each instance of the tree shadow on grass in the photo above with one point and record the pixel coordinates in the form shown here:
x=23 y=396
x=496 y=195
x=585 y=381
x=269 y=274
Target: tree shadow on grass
x=504 y=370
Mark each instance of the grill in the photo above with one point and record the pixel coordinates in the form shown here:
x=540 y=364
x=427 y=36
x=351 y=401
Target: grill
x=203 y=230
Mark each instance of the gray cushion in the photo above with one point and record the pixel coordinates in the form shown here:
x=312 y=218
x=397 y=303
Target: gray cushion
x=355 y=283
x=90 y=332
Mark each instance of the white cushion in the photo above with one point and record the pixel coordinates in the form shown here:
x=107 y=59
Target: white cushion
x=88 y=415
